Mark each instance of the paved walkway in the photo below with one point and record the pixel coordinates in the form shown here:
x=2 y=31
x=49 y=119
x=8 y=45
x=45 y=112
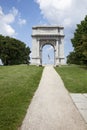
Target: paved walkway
x=52 y=107
x=80 y=101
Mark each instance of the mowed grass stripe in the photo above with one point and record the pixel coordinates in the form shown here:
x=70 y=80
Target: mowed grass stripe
x=74 y=77
x=17 y=87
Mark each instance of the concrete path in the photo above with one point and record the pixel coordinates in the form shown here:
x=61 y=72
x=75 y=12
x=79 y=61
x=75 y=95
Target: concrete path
x=52 y=107
x=80 y=101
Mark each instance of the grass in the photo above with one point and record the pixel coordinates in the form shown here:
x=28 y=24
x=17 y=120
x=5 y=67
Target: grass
x=17 y=86
x=74 y=77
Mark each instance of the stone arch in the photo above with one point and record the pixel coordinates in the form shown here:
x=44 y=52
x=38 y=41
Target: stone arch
x=47 y=42
x=43 y=35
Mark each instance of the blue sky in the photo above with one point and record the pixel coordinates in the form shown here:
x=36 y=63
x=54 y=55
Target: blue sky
x=18 y=16
x=27 y=10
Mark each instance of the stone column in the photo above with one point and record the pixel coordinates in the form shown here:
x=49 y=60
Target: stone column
x=57 y=53
x=34 y=48
x=40 y=56
x=61 y=51
x=35 y=52
x=38 y=52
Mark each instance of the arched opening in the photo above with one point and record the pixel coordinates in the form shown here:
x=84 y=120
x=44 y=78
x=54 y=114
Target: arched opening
x=47 y=54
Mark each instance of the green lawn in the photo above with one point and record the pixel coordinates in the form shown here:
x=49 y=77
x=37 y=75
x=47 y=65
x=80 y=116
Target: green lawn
x=17 y=86
x=74 y=77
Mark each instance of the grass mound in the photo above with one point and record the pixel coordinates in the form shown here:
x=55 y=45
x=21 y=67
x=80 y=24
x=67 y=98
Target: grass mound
x=17 y=86
x=74 y=77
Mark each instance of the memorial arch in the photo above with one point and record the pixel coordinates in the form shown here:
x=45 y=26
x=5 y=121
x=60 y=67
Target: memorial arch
x=42 y=35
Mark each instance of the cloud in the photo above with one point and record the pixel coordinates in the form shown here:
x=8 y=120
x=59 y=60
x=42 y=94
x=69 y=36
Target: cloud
x=1 y=62
x=21 y=21
x=63 y=12
x=6 y=21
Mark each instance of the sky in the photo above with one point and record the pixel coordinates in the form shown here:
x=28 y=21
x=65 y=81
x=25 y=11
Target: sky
x=17 y=17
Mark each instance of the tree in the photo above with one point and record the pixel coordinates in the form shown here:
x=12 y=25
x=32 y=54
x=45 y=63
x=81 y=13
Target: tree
x=13 y=51
x=71 y=58
x=79 y=43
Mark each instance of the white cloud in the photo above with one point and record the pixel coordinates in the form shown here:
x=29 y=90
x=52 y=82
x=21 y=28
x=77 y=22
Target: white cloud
x=1 y=62
x=63 y=12
x=14 y=11
x=21 y=21
x=6 y=20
